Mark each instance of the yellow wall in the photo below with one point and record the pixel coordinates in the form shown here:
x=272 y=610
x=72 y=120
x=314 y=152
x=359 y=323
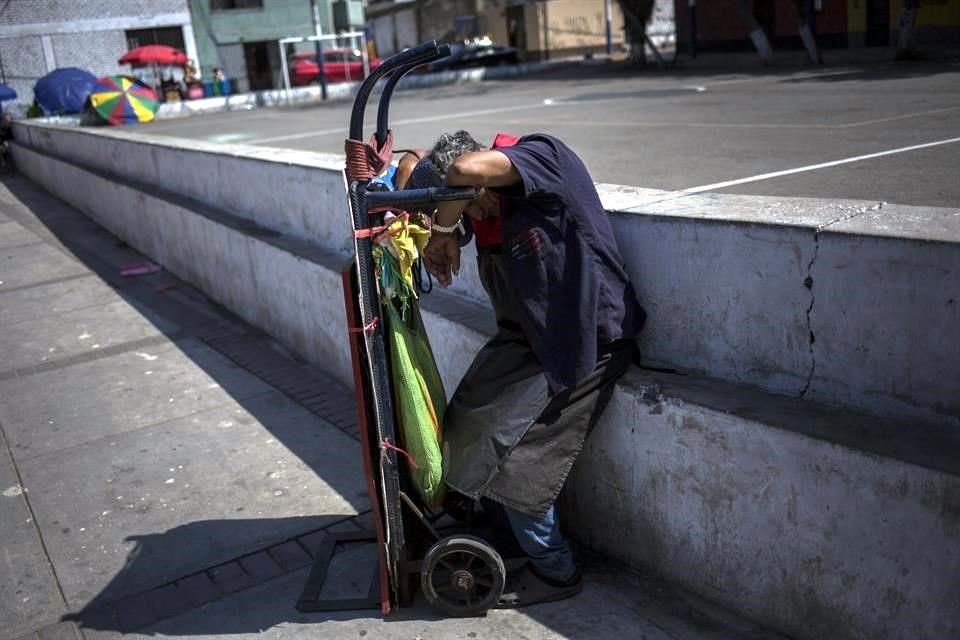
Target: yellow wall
x=857 y=16
x=580 y=24
x=939 y=13
x=932 y=13
x=573 y=25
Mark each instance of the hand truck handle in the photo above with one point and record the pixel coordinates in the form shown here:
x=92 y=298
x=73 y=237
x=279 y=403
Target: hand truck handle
x=415 y=56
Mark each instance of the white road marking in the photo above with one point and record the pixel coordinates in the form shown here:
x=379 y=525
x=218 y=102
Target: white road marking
x=228 y=137
x=395 y=123
x=905 y=116
x=813 y=167
x=549 y=102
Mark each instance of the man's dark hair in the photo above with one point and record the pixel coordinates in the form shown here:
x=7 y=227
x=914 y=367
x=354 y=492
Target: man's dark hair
x=432 y=169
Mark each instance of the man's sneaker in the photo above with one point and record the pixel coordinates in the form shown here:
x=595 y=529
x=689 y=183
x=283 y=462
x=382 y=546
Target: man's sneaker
x=555 y=582
x=525 y=588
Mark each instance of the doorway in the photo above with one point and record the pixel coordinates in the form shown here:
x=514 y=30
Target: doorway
x=878 y=23
x=517 y=29
x=259 y=73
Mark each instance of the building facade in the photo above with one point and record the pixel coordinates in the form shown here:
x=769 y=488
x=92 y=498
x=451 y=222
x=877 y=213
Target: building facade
x=847 y=23
x=538 y=30
x=38 y=36
x=241 y=36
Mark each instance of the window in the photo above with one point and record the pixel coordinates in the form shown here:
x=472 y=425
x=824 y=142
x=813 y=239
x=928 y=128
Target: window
x=228 y=5
x=170 y=36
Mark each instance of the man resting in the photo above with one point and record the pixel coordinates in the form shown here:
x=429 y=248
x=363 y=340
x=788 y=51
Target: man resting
x=566 y=319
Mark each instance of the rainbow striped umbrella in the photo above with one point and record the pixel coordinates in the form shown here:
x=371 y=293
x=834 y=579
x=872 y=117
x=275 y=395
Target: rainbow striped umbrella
x=123 y=100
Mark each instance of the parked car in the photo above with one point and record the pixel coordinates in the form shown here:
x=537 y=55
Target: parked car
x=480 y=53
x=339 y=65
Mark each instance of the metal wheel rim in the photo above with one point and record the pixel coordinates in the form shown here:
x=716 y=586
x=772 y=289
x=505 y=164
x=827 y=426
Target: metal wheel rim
x=462 y=578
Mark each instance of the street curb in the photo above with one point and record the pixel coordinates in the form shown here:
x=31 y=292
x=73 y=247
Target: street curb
x=311 y=94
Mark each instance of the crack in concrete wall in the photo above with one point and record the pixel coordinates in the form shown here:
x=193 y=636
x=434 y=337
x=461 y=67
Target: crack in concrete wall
x=808 y=283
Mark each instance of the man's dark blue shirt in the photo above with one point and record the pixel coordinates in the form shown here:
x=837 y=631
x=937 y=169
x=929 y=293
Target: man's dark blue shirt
x=564 y=262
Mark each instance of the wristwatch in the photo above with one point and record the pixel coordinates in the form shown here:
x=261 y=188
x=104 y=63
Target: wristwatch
x=456 y=226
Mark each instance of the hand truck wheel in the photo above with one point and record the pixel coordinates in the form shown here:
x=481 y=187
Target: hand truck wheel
x=462 y=576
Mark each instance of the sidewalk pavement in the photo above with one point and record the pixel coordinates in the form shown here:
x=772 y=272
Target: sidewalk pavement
x=167 y=470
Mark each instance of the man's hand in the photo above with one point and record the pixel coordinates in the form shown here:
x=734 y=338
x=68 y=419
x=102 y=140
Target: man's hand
x=441 y=255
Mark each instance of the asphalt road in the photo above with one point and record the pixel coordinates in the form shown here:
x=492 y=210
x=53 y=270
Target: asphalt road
x=682 y=129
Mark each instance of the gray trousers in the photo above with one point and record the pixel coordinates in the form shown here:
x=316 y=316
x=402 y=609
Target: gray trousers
x=506 y=437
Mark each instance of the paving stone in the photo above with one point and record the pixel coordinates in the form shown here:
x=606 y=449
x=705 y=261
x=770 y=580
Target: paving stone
x=81 y=331
x=167 y=601
x=173 y=499
x=290 y=556
x=230 y=577
x=55 y=298
x=302 y=391
x=38 y=264
x=99 y=624
x=117 y=394
x=293 y=379
x=272 y=365
x=264 y=366
x=199 y=588
x=347 y=527
x=29 y=636
x=350 y=571
x=313 y=396
x=28 y=590
x=59 y=631
x=365 y=522
x=312 y=542
x=133 y=613
x=260 y=567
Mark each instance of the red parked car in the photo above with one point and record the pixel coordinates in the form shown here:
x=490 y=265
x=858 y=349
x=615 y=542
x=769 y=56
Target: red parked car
x=339 y=65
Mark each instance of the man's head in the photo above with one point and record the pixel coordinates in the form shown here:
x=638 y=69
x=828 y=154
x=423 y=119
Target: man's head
x=431 y=171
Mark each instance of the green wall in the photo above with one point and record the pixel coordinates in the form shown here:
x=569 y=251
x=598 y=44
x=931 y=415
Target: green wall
x=277 y=19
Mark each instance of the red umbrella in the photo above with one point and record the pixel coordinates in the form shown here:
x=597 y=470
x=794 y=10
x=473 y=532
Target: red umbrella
x=157 y=54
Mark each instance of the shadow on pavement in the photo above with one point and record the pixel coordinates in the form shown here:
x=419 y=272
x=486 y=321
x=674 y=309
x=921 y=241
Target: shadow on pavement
x=142 y=593
x=234 y=472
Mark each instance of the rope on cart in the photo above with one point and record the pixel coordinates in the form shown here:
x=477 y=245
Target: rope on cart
x=369 y=328
x=365 y=160
x=388 y=445
x=375 y=233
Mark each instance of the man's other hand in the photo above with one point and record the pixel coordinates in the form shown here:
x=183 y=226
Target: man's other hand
x=442 y=255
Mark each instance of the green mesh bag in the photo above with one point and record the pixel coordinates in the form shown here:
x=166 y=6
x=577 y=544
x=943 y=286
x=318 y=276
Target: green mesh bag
x=419 y=397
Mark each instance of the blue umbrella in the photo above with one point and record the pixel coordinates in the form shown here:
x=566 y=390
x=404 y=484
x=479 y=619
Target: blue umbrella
x=7 y=93
x=64 y=90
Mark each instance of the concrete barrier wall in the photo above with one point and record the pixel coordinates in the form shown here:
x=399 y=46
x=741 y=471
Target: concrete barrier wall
x=723 y=491
x=845 y=302
x=299 y=193
x=743 y=496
